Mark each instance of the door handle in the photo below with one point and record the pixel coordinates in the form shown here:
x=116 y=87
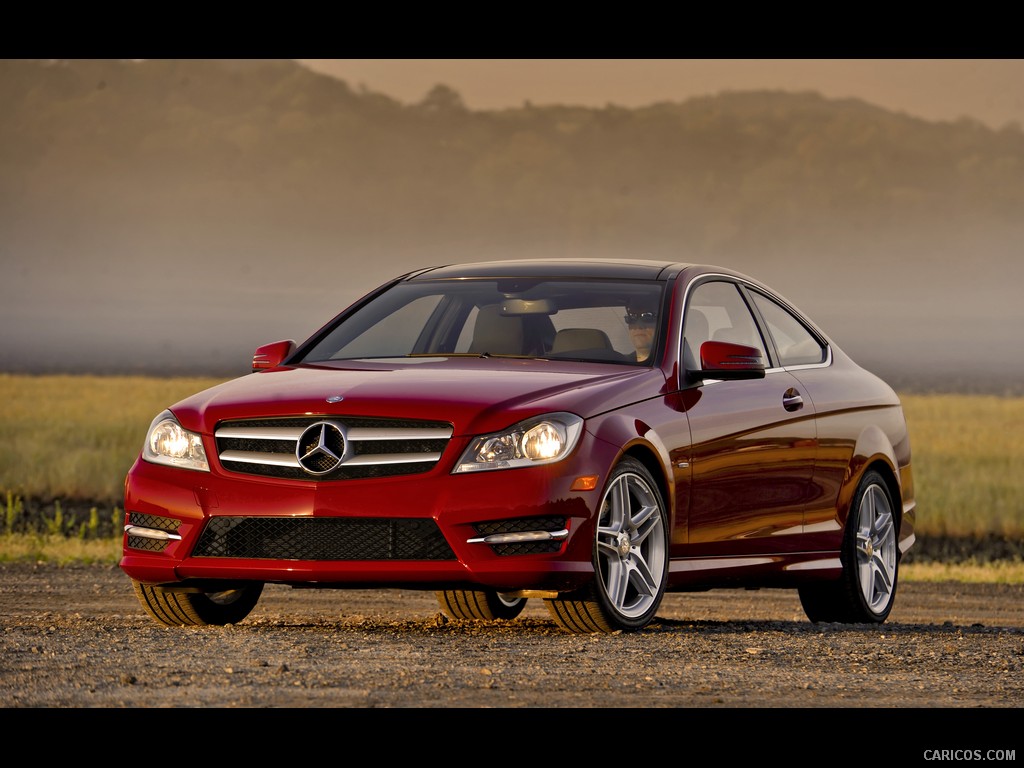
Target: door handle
x=791 y=400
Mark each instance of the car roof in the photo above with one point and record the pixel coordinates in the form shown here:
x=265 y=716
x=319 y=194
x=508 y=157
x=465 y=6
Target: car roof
x=623 y=269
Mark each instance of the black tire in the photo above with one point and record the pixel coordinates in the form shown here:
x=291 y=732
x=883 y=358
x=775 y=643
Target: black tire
x=480 y=605
x=870 y=555
x=196 y=609
x=630 y=558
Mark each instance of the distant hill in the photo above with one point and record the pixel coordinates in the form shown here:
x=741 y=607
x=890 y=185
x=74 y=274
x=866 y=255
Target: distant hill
x=169 y=215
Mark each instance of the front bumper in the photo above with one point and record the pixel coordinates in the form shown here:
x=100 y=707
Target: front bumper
x=518 y=529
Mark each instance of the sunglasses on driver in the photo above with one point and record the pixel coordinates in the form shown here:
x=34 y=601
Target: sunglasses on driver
x=641 y=318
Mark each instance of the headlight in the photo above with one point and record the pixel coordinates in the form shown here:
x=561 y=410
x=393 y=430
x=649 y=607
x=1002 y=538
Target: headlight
x=168 y=443
x=540 y=440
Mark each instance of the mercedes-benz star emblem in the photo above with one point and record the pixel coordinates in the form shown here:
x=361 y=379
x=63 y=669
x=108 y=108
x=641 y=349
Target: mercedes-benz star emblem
x=321 y=447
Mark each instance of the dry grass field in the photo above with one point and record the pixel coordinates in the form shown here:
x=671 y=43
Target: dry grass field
x=967 y=453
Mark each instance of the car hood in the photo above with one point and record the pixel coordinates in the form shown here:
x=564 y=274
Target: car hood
x=475 y=395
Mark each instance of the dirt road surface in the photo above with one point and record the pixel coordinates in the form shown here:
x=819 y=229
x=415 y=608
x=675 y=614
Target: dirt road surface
x=75 y=637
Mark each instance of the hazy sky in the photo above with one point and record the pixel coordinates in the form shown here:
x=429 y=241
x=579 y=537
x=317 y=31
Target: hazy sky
x=70 y=264
x=989 y=90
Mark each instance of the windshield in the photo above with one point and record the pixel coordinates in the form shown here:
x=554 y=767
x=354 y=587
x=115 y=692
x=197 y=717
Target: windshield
x=593 y=320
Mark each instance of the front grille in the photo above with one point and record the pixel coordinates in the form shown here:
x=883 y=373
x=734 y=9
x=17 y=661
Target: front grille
x=322 y=538
x=519 y=525
x=371 y=447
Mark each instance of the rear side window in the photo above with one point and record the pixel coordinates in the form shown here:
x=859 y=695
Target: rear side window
x=796 y=345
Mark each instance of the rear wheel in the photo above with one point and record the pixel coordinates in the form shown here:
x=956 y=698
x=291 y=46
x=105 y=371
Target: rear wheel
x=870 y=557
x=175 y=608
x=480 y=605
x=630 y=558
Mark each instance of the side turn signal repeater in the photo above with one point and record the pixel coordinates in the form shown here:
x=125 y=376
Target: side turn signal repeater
x=585 y=483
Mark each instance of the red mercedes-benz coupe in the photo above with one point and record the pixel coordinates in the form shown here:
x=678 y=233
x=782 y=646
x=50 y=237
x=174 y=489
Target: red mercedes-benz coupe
x=592 y=433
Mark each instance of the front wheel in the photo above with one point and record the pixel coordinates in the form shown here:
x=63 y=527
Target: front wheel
x=175 y=608
x=870 y=556
x=630 y=558
x=480 y=605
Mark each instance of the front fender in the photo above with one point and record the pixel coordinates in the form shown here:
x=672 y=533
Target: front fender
x=645 y=434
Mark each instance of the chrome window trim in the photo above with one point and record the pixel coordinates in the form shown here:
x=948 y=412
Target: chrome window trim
x=711 y=276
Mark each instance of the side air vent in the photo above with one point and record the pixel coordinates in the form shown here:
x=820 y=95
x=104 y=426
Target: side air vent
x=149 y=525
x=502 y=535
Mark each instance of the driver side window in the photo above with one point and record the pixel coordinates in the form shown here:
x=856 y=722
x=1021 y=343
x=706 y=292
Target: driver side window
x=717 y=312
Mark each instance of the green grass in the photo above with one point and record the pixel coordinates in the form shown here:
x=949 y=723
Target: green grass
x=75 y=438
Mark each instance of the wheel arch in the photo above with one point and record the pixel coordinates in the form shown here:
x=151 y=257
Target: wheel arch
x=892 y=484
x=646 y=455
x=637 y=439
x=874 y=451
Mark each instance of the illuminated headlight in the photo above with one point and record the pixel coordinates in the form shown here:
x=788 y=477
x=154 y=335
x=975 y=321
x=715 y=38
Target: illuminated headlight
x=540 y=440
x=168 y=443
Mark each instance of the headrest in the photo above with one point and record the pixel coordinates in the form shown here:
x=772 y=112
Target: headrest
x=496 y=333
x=580 y=338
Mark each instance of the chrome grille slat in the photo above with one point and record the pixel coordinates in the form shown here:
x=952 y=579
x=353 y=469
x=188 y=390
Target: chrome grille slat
x=260 y=433
x=365 y=433
x=254 y=457
x=391 y=458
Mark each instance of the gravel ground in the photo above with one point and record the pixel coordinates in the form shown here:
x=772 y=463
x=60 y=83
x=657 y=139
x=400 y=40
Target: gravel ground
x=75 y=637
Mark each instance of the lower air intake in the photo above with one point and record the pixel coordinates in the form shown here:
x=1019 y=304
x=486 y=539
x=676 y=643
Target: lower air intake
x=304 y=538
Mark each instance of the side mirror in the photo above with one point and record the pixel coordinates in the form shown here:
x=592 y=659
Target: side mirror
x=725 y=360
x=272 y=355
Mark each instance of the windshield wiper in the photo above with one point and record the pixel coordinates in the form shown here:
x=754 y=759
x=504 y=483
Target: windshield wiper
x=473 y=354
x=447 y=354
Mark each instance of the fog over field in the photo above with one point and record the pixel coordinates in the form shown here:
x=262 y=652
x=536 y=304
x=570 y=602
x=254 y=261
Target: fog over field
x=166 y=217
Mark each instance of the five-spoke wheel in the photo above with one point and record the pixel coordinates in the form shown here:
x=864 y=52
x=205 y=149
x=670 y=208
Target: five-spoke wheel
x=870 y=558
x=630 y=558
